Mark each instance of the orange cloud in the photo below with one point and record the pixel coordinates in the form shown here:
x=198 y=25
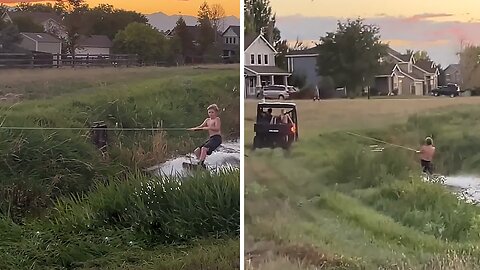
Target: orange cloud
x=185 y=7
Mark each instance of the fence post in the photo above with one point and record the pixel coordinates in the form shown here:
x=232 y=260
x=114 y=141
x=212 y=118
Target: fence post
x=99 y=135
x=32 y=62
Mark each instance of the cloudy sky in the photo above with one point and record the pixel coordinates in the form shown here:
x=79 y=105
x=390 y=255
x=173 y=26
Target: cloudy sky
x=170 y=7
x=437 y=26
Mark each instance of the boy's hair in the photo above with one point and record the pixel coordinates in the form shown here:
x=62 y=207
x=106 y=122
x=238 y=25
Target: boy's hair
x=213 y=107
x=428 y=141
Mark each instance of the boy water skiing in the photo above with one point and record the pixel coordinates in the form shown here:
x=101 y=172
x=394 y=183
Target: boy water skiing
x=427 y=152
x=213 y=125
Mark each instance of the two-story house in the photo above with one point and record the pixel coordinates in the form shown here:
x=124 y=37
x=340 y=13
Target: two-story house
x=51 y=22
x=260 y=68
x=303 y=63
x=453 y=75
x=401 y=74
x=231 y=43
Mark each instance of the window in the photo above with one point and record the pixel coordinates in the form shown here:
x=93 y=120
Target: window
x=252 y=59
x=259 y=59
x=266 y=59
x=234 y=40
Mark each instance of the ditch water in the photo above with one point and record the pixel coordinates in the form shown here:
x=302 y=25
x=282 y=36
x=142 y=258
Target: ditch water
x=467 y=187
x=226 y=156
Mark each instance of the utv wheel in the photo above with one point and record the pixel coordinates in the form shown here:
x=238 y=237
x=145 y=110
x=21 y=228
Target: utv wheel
x=452 y=95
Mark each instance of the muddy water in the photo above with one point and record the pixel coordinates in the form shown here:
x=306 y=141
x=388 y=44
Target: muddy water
x=226 y=156
x=467 y=187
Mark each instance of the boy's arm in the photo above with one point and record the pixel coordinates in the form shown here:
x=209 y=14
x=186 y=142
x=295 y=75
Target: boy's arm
x=201 y=126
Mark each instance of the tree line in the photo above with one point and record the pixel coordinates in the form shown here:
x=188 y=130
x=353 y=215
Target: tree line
x=130 y=31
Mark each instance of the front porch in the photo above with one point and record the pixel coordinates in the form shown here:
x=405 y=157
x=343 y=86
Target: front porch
x=258 y=77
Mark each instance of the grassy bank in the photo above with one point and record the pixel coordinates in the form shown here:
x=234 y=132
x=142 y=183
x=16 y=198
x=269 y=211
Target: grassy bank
x=136 y=217
x=40 y=165
x=357 y=209
x=64 y=204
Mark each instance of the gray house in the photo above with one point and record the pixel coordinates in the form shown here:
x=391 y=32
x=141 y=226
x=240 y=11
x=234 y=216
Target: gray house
x=41 y=42
x=452 y=74
x=231 y=43
x=303 y=63
x=401 y=74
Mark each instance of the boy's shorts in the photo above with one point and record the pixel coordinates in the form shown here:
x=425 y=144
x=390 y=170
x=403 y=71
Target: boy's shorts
x=212 y=143
x=426 y=166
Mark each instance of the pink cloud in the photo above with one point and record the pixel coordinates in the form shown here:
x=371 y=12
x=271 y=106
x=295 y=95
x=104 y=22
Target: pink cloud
x=426 y=16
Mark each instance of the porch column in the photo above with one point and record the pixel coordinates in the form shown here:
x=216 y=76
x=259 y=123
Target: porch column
x=259 y=81
x=272 y=80
x=285 y=80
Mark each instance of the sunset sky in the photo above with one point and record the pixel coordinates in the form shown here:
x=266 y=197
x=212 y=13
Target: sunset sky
x=170 y=7
x=435 y=26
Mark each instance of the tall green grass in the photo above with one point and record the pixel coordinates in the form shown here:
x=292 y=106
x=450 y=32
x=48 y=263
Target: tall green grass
x=38 y=166
x=127 y=214
x=390 y=182
x=343 y=197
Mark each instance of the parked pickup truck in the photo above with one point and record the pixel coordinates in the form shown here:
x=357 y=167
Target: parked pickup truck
x=451 y=90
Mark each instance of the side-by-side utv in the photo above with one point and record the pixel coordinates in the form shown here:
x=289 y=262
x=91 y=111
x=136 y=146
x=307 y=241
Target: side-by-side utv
x=271 y=132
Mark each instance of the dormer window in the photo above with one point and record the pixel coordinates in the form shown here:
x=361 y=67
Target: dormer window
x=259 y=59
x=252 y=59
x=266 y=59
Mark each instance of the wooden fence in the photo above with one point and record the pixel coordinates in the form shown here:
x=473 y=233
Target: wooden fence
x=48 y=60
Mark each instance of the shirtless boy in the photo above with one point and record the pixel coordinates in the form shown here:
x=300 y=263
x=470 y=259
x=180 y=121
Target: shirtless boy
x=213 y=125
x=427 y=151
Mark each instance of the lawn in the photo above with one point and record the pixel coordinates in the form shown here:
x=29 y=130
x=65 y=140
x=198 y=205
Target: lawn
x=332 y=204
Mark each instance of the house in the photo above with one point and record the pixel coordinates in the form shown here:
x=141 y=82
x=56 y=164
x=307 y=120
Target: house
x=231 y=43
x=260 y=68
x=94 y=44
x=407 y=76
x=452 y=74
x=303 y=63
x=51 y=22
x=194 y=55
x=41 y=42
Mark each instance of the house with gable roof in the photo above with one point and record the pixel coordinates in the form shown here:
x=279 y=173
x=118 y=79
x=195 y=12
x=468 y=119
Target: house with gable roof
x=231 y=43
x=51 y=22
x=260 y=66
x=453 y=74
x=399 y=73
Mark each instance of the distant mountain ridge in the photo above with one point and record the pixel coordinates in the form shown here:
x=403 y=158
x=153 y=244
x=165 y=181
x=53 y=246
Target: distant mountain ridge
x=165 y=22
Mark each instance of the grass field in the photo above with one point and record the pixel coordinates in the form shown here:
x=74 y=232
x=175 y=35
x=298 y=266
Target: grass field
x=332 y=204
x=64 y=205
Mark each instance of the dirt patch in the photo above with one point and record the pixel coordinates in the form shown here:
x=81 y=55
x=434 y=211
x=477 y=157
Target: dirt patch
x=258 y=253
